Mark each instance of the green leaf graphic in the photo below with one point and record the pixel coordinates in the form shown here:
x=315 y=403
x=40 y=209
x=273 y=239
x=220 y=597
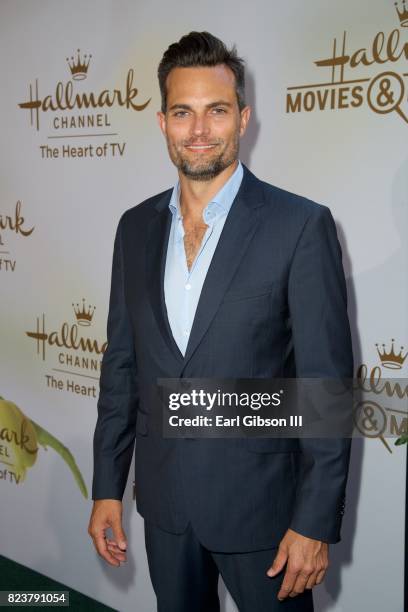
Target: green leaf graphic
x=46 y=439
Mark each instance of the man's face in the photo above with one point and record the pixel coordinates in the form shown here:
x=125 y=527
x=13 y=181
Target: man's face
x=202 y=124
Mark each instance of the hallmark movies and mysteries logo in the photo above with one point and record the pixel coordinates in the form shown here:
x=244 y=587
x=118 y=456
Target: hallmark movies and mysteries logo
x=74 y=111
x=350 y=86
x=72 y=350
x=12 y=223
x=384 y=411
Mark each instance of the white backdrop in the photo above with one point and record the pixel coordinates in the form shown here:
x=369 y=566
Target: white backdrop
x=345 y=148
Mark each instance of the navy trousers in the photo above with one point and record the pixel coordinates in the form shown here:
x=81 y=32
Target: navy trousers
x=185 y=575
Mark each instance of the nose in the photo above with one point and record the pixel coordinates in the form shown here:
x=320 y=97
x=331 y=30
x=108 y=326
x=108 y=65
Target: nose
x=200 y=126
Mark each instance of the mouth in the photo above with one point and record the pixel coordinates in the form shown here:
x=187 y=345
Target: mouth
x=200 y=147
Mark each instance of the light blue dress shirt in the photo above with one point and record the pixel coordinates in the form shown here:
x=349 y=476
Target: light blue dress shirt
x=182 y=287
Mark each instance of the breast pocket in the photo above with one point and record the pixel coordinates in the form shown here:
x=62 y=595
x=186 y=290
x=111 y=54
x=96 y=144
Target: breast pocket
x=248 y=292
x=254 y=304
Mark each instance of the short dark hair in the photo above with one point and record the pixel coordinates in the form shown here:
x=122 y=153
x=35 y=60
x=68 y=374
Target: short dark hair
x=201 y=49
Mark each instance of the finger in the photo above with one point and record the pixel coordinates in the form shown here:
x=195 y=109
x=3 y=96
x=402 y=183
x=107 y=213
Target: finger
x=116 y=551
x=320 y=576
x=102 y=549
x=119 y=534
x=323 y=564
x=300 y=583
x=287 y=585
x=278 y=563
x=115 y=547
x=312 y=580
x=113 y=543
x=118 y=554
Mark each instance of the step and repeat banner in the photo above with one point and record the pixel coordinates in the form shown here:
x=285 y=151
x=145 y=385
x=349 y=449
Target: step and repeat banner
x=328 y=84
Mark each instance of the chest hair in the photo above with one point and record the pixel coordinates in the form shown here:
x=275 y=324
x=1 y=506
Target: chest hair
x=193 y=237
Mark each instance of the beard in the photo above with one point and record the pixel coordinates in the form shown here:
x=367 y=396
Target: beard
x=204 y=170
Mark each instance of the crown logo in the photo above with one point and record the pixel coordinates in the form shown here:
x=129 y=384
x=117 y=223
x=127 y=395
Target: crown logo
x=78 y=66
x=402 y=13
x=390 y=359
x=84 y=316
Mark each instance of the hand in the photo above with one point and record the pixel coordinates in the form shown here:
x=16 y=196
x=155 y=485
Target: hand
x=108 y=513
x=307 y=561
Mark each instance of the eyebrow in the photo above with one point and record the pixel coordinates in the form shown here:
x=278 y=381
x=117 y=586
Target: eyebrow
x=211 y=105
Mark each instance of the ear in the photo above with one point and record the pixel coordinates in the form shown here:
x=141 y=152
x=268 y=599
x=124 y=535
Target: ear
x=245 y=115
x=161 y=120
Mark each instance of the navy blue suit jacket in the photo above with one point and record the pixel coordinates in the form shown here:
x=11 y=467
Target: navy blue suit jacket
x=273 y=304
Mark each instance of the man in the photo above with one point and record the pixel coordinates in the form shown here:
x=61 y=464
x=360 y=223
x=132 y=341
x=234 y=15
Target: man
x=223 y=276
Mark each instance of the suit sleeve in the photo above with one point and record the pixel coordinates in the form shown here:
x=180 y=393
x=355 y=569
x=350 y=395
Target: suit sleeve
x=114 y=436
x=317 y=297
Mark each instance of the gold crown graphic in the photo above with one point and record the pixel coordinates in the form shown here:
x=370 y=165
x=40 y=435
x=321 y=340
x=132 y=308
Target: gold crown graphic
x=78 y=67
x=390 y=359
x=403 y=13
x=84 y=316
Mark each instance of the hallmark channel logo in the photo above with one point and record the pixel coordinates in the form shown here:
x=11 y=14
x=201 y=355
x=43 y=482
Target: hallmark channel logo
x=12 y=224
x=70 y=112
x=71 y=351
x=384 y=92
x=384 y=410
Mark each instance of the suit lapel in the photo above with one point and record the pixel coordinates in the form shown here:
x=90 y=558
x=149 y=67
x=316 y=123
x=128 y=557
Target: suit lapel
x=157 y=241
x=238 y=231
